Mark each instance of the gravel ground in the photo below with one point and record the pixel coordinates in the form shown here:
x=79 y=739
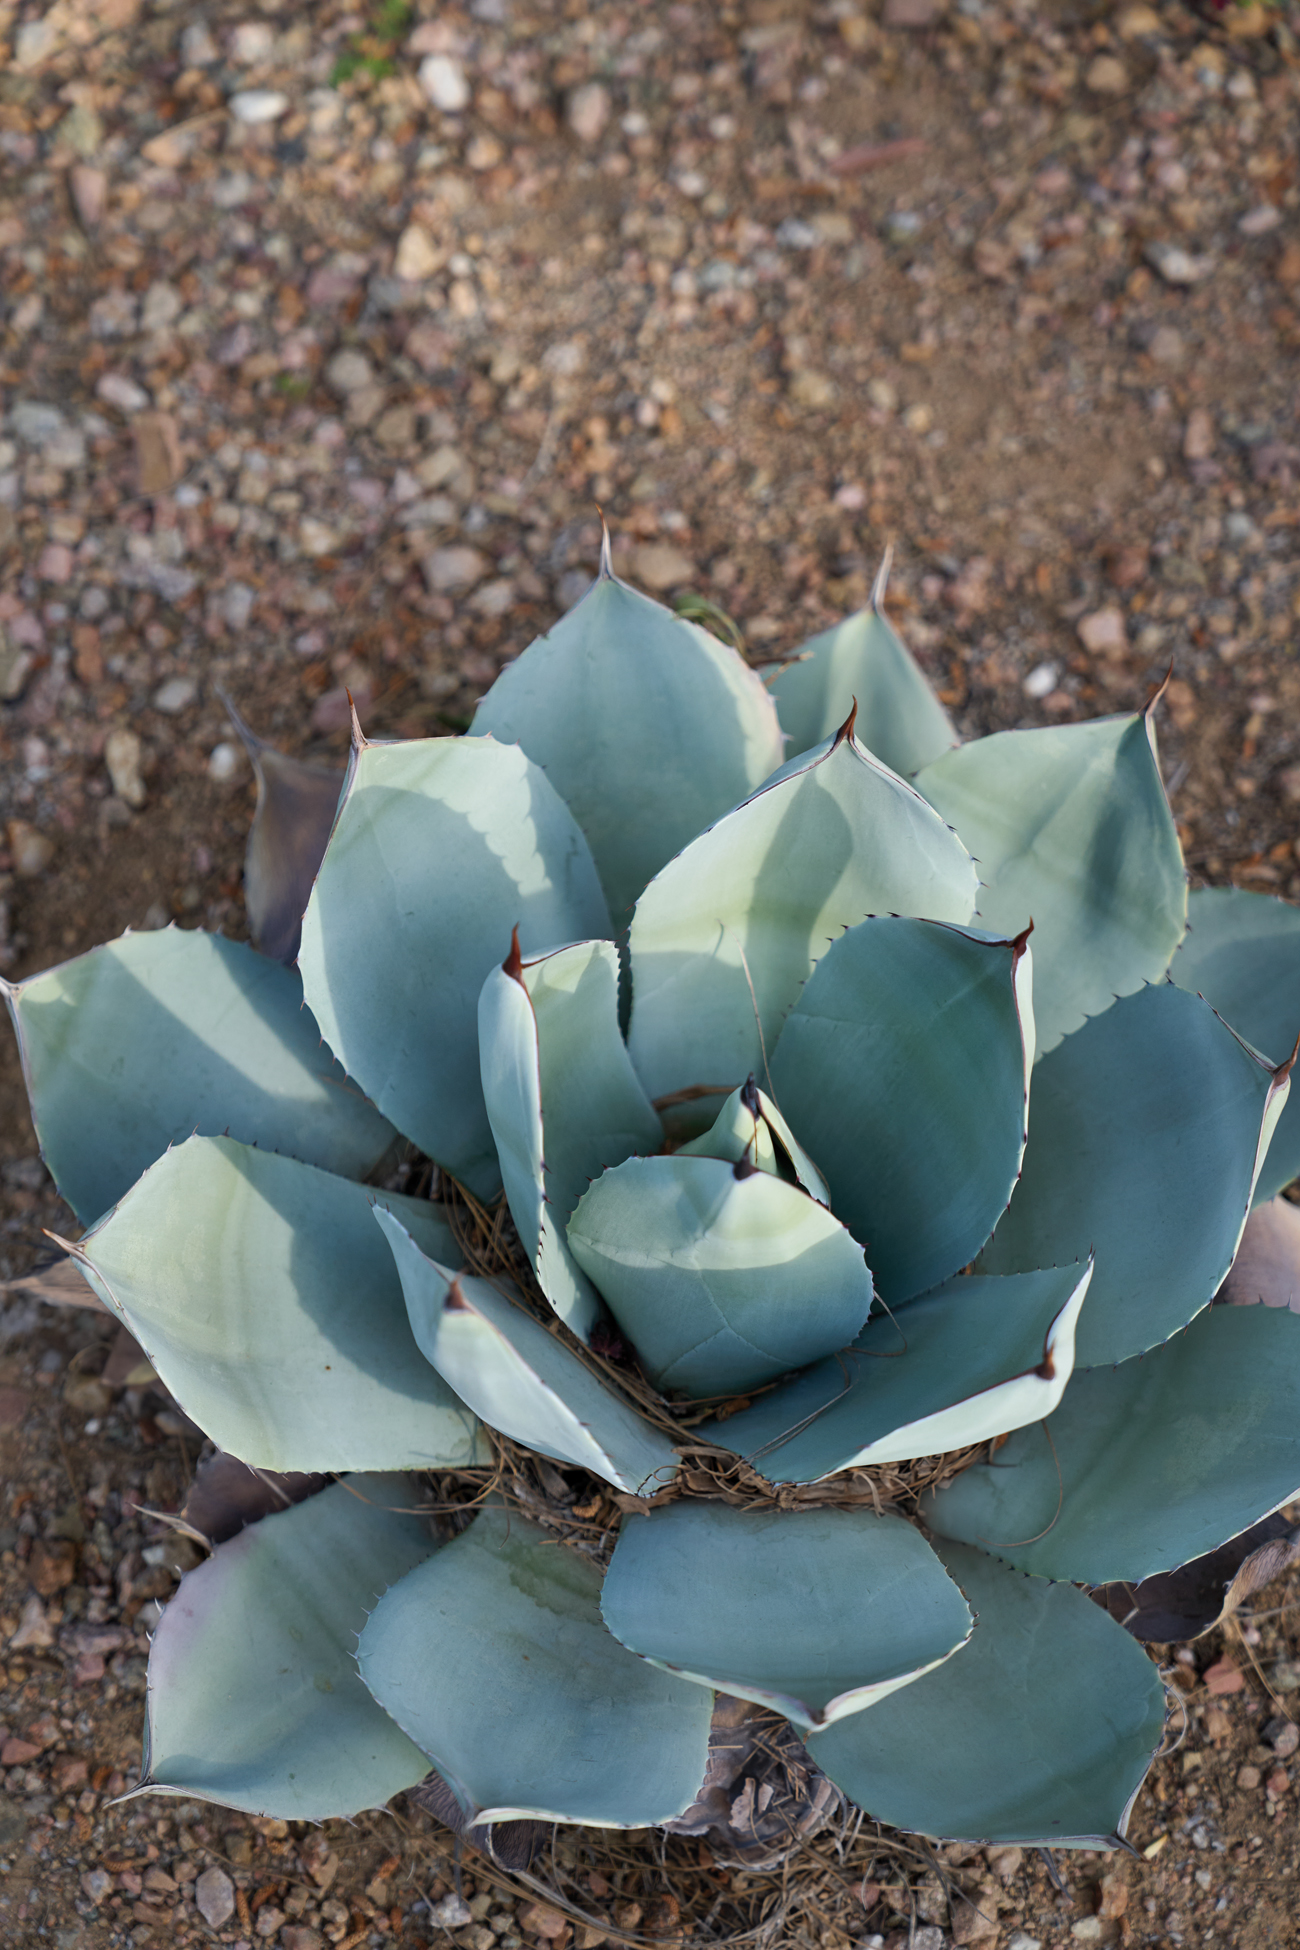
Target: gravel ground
x=322 y=337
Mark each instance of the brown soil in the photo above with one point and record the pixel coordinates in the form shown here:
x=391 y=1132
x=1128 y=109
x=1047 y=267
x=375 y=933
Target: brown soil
x=766 y=355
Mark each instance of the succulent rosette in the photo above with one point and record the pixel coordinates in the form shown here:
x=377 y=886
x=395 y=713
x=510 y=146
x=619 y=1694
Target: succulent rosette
x=727 y=980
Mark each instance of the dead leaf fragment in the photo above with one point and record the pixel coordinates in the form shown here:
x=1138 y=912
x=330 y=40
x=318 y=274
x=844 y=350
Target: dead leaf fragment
x=1185 y=1603
x=296 y=804
x=158 y=460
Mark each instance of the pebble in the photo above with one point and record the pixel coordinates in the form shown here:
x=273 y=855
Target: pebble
x=1021 y=1940
x=1198 y=436
x=175 y=696
x=454 y=568
x=443 y=80
x=812 y=389
x=1177 y=266
x=1258 y=222
x=588 y=110
x=35 y=423
x=349 y=372
x=1104 y=632
x=123 y=754
x=661 y=566
x=89 y=188
x=1283 y=1736
x=452 y=1913
x=417 y=256
x=1107 y=75
x=225 y=762
x=115 y=389
x=256 y=105
x=32 y=851
x=214 y=1897
x=1041 y=682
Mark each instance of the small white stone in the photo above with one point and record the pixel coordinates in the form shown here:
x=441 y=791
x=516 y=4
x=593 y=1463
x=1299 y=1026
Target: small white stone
x=115 y=389
x=1041 y=682
x=316 y=537
x=1177 y=266
x=175 y=696
x=224 y=763
x=255 y=105
x=123 y=753
x=454 y=568
x=349 y=372
x=417 y=257
x=443 y=80
x=452 y=1913
x=214 y=1896
x=589 y=110
x=1259 y=221
x=250 y=42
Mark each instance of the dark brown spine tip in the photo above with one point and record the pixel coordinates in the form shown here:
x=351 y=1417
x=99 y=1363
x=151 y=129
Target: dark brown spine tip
x=513 y=965
x=1021 y=941
x=845 y=731
x=1284 y=1069
x=749 y=1096
x=743 y=1169
x=1158 y=692
x=456 y=1303
x=359 y=739
x=1046 y=1369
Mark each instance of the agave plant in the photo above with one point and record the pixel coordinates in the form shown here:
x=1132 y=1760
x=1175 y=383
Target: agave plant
x=821 y=1164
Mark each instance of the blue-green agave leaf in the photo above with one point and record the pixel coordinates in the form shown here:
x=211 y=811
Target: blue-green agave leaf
x=1070 y=825
x=963 y=1364
x=1149 y=1464
x=269 y=1304
x=646 y=725
x=1041 y=1731
x=563 y=1101
x=441 y=846
x=725 y=936
x=254 y=1700
x=904 y=1067
x=750 y=1127
x=862 y=660
x=722 y=1277
x=817 y=1613
x=521 y=1379
x=137 y=1044
x=494 y=1658
x=1146 y=1132
x=1242 y=953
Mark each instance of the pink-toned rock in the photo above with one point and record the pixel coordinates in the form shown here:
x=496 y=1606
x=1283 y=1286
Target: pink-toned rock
x=56 y=562
x=18 y=1753
x=1104 y=633
x=911 y=13
x=89 y=188
x=1198 y=436
x=660 y=566
x=588 y=110
x=448 y=570
x=14 y=1404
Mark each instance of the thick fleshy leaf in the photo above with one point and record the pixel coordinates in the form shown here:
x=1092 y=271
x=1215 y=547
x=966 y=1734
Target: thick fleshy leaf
x=724 y=938
x=646 y=725
x=904 y=1068
x=1070 y=825
x=817 y=1613
x=861 y=660
x=722 y=1277
x=1242 y=953
x=1039 y=1732
x=1183 y=1604
x=750 y=1127
x=562 y=1099
x=1148 y=1464
x=137 y=1044
x=1146 y=1129
x=521 y=1379
x=494 y=1658
x=442 y=845
x=268 y=1303
x=296 y=804
x=963 y=1364
x=254 y=1699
